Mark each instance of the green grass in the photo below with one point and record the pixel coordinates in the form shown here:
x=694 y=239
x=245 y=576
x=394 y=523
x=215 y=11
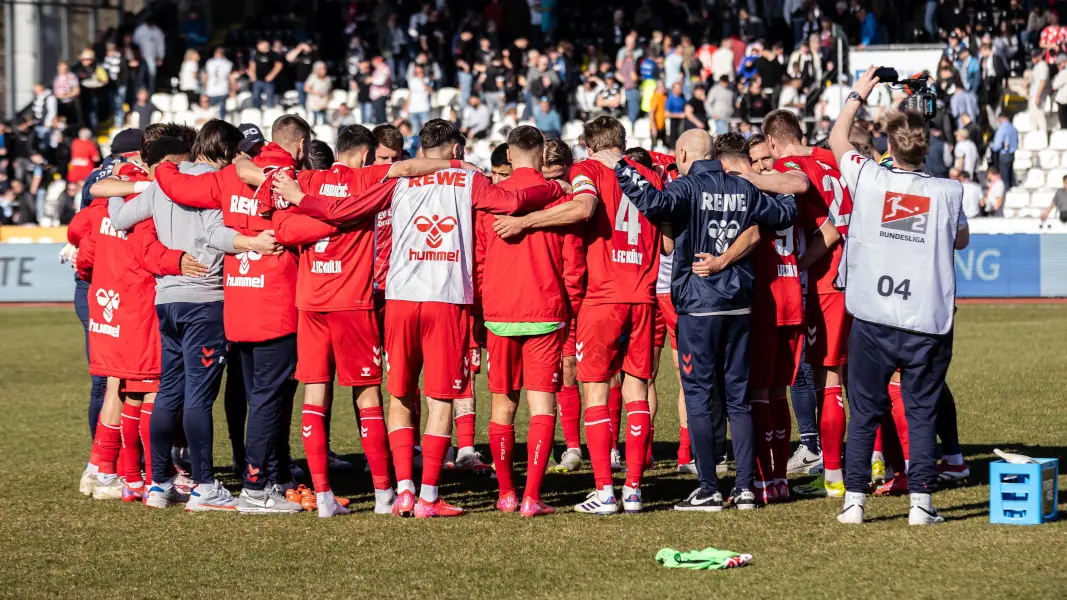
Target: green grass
x=1008 y=382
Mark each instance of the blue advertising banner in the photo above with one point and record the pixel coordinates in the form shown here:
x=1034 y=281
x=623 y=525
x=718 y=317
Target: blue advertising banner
x=1000 y=266
x=33 y=273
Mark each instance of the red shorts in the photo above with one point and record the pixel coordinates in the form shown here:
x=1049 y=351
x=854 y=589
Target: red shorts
x=477 y=342
x=346 y=340
x=531 y=362
x=828 y=326
x=430 y=335
x=600 y=347
x=774 y=353
x=139 y=386
x=568 y=340
x=666 y=321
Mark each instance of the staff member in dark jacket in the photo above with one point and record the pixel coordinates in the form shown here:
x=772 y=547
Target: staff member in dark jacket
x=707 y=209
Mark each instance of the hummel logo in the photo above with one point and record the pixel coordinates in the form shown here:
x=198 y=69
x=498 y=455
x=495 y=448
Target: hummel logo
x=363 y=431
x=307 y=430
x=578 y=350
x=635 y=430
x=366 y=370
x=840 y=401
x=687 y=364
x=253 y=474
x=109 y=299
x=811 y=335
x=386 y=362
x=457 y=384
x=377 y=360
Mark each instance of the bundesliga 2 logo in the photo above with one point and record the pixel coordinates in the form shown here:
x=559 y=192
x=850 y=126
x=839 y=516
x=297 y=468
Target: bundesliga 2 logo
x=434 y=227
x=245 y=257
x=109 y=299
x=723 y=232
x=905 y=213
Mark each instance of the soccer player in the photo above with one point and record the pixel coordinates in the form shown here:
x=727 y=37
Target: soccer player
x=557 y=165
x=526 y=302
x=191 y=322
x=428 y=295
x=259 y=310
x=622 y=260
x=823 y=213
x=122 y=266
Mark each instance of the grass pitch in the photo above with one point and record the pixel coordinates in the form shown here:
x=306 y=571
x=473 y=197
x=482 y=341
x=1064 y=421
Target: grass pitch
x=1008 y=379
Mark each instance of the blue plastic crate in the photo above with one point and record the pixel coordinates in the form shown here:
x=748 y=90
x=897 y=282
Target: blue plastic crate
x=1023 y=494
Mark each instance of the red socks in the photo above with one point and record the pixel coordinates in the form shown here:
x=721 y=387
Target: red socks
x=899 y=418
x=313 y=430
x=434 y=448
x=130 y=455
x=375 y=445
x=782 y=423
x=598 y=438
x=763 y=431
x=538 y=451
x=106 y=445
x=502 y=444
x=570 y=415
x=639 y=432
x=831 y=425
x=615 y=412
x=893 y=452
x=402 y=447
x=685 y=452
x=465 y=430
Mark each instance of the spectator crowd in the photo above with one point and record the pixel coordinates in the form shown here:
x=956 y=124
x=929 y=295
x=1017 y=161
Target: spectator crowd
x=664 y=68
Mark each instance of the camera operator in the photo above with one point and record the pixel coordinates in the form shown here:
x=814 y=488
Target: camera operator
x=901 y=287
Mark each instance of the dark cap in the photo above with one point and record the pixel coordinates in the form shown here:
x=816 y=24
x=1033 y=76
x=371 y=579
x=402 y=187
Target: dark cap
x=253 y=136
x=127 y=140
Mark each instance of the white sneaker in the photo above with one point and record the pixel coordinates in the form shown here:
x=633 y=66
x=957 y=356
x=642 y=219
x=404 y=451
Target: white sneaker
x=162 y=495
x=210 y=497
x=923 y=512
x=616 y=460
x=804 y=461
x=87 y=483
x=328 y=505
x=569 y=461
x=594 y=505
x=690 y=468
x=631 y=499
x=384 y=501
x=852 y=513
x=108 y=490
x=267 y=501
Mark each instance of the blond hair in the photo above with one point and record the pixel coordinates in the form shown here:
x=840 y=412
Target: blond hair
x=909 y=137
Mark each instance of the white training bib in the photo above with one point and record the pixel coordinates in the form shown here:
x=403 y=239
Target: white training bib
x=901 y=242
x=433 y=232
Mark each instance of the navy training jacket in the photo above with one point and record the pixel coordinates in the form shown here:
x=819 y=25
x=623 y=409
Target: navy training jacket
x=707 y=209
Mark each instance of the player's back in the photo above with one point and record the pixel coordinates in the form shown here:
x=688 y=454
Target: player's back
x=776 y=272
x=622 y=246
x=431 y=259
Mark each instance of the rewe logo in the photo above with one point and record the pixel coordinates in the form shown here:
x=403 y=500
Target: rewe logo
x=246 y=258
x=723 y=232
x=906 y=212
x=434 y=227
x=109 y=299
x=578 y=351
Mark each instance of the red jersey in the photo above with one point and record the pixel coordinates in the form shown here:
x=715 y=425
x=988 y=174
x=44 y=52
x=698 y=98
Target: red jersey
x=123 y=326
x=523 y=279
x=335 y=264
x=383 y=246
x=83 y=156
x=776 y=271
x=259 y=292
x=828 y=198
x=622 y=246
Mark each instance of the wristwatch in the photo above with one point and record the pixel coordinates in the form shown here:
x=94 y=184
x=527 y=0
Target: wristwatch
x=855 y=96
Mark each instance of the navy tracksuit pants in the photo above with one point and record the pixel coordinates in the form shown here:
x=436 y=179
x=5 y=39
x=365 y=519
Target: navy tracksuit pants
x=707 y=346
x=268 y=369
x=874 y=353
x=99 y=386
x=193 y=344
x=235 y=403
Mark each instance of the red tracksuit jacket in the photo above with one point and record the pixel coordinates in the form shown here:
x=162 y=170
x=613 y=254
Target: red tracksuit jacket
x=259 y=291
x=534 y=278
x=336 y=264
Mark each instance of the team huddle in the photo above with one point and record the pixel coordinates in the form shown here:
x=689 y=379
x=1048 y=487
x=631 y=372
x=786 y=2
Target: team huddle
x=282 y=262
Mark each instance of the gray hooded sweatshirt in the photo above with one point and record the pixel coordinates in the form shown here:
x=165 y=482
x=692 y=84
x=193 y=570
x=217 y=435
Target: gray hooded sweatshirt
x=198 y=232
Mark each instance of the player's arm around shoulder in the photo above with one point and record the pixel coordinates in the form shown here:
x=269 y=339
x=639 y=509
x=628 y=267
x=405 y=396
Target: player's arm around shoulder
x=774 y=212
x=194 y=191
x=658 y=205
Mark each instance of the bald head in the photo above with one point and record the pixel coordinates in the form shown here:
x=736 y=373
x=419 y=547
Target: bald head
x=693 y=145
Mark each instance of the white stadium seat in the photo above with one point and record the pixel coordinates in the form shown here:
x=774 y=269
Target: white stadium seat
x=1035 y=140
x=231 y=104
x=1010 y=212
x=162 y=101
x=642 y=128
x=1021 y=121
x=185 y=117
x=1041 y=199
x=270 y=115
x=445 y=96
x=157 y=117
x=627 y=125
x=1054 y=178
x=326 y=133
x=1017 y=199
x=298 y=111
x=571 y=131
x=1058 y=140
x=1028 y=213
x=1024 y=159
x=253 y=116
x=1048 y=159
x=244 y=100
x=1035 y=179
x=179 y=102
x=337 y=98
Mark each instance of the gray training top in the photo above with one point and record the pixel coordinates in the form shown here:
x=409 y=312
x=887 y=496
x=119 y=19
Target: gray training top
x=199 y=232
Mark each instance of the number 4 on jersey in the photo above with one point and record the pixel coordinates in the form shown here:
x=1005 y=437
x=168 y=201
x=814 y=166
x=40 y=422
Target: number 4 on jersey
x=886 y=287
x=627 y=219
